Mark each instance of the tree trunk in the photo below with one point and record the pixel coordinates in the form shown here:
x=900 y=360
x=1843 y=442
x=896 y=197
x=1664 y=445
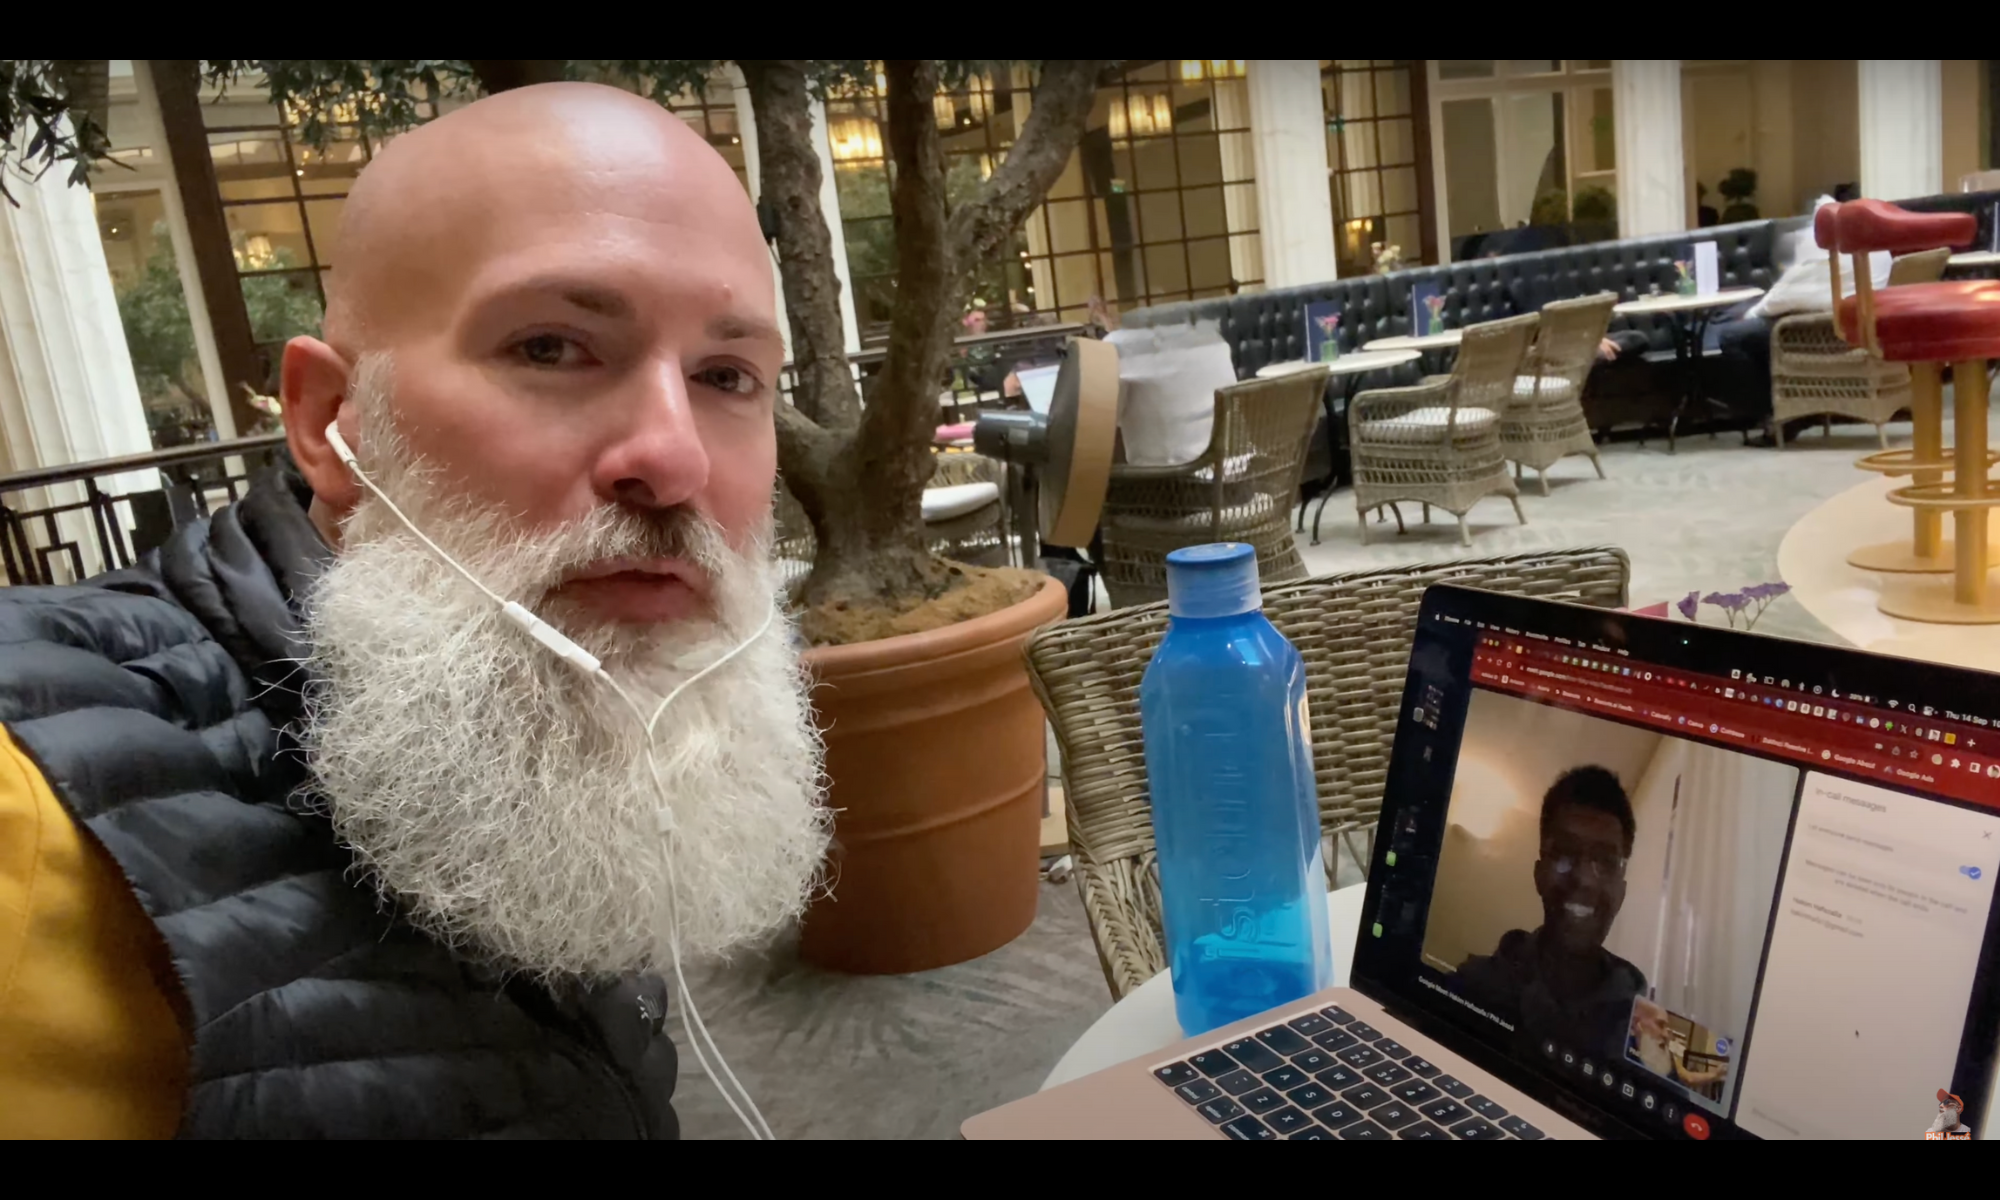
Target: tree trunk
x=789 y=182
x=859 y=471
x=893 y=446
x=816 y=433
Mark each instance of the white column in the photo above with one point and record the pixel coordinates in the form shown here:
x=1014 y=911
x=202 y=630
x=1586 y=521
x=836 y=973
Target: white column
x=1239 y=168
x=1294 y=208
x=829 y=204
x=1902 y=127
x=67 y=392
x=1652 y=164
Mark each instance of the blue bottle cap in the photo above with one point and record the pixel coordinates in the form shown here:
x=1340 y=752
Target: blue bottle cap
x=1216 y=580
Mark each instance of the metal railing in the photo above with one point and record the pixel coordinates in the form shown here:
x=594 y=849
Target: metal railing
x=65 y=524
x=978 y=365
x=52 y=531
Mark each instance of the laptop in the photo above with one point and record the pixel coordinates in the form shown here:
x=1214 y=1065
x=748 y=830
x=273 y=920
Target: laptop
x=1633 y=878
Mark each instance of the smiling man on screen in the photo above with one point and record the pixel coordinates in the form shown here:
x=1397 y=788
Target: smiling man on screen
x=300 y=835
x=1559 y=982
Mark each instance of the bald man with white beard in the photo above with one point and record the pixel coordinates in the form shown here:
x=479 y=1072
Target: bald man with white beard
x=300 y=835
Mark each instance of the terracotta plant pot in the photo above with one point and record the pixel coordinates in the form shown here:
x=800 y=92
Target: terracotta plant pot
x=936 y=752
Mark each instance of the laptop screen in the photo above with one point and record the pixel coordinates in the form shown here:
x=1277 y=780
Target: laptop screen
x=1689 y=881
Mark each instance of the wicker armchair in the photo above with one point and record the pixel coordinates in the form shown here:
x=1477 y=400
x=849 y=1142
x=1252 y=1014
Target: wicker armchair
x=1240 y=490
x=1438 y=443
x=1544 y=421
x=1354 y=632
x=1816 y=373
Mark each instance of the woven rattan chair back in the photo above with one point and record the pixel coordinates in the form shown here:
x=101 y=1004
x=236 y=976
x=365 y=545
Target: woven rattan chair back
x=1925 y=266
x=1241 y=489
x=1816 y=372
x=1489 y=361
x=1354 y=632
x=1544 y=422
x=1565 y=346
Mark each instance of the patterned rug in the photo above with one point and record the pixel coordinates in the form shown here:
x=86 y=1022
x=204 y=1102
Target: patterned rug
x=829 y=1056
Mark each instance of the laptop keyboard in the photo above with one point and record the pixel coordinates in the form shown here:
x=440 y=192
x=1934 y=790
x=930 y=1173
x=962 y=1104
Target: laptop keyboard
x=1326 y=1075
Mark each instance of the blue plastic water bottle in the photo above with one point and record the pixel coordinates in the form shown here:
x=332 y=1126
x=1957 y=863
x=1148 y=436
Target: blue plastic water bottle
x=1235 y=810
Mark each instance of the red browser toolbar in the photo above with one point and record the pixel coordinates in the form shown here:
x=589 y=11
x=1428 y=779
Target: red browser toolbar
x=1893 y=747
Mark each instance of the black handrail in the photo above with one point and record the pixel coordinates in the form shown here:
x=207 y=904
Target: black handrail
x=39 y=477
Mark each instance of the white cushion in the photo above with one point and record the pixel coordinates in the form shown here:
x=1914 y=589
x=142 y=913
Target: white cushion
x=1553 y=387
x=1804 y=289
x=1166 y=391
x=1234 y=465
x=944 y=503
x=1425 y=424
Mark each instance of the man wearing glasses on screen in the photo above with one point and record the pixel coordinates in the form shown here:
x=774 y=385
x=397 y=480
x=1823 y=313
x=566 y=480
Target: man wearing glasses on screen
x=1559 y=982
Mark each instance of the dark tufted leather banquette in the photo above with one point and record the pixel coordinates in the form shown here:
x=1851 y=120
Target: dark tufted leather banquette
x=1267 y=327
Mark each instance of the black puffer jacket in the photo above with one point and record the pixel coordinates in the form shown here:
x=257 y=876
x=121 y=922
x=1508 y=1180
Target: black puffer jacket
x=156 y=701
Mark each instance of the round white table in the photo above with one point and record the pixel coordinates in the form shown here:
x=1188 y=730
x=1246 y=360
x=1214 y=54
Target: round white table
x=1437 y=349
x=1349 y=368
x=1144 y=1020
x=1653 y=306
x=1422 y=343
x=1688 y=318
x=1354 y=362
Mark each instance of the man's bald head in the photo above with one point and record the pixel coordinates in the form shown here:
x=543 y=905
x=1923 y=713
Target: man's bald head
x=435 y=200
x=564 y=297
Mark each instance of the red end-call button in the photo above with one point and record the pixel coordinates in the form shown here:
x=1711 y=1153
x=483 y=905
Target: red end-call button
x=1696 y=1127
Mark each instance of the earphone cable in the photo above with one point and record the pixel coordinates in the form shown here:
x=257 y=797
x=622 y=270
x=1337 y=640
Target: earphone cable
x=580 y=659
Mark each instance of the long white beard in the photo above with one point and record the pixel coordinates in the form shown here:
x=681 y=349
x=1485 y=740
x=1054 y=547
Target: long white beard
x=503 y=801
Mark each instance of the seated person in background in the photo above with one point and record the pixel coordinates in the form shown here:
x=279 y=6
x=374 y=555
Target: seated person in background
x=1559 y=982
x=1528 y=294
x=1743 y=332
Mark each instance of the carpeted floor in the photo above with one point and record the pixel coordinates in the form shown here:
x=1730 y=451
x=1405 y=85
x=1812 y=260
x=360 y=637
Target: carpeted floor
x=911 y=1057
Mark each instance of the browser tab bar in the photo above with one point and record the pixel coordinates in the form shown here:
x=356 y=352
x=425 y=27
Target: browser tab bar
x=1794 y=720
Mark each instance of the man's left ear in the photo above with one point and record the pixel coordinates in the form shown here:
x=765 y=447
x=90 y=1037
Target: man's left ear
x=314 y=382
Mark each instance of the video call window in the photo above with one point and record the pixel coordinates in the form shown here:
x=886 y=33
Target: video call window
x=1606 y=890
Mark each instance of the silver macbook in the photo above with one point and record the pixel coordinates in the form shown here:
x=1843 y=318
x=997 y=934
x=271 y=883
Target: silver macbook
x=1632 y=878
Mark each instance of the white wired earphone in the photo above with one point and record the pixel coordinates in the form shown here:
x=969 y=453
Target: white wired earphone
x=589 y=665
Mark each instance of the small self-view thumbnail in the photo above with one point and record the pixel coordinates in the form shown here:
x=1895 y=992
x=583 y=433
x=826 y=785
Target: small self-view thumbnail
x=1677 y=1048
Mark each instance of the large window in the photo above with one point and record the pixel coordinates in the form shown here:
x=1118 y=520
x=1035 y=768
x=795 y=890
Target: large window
x=712 y=113
x=1378 y=157
x=1169 y=152
x=976 y=125
x=1528 y=153
x=1158 y=204
x=281 y=203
